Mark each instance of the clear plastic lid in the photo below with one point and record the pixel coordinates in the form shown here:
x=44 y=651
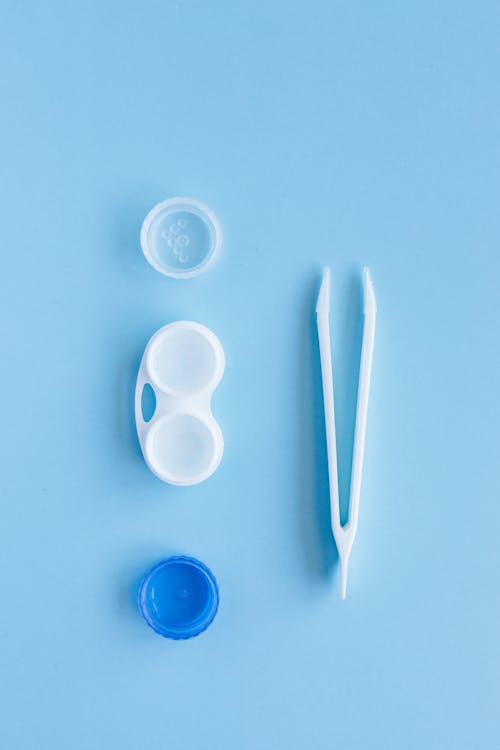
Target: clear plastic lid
x=181 y=237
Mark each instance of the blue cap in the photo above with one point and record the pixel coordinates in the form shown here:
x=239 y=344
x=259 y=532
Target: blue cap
x=179 y=597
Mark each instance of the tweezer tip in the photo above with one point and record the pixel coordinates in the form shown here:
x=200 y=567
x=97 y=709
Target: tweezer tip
x=344 y=564
x=370 y=303
x=323 y=303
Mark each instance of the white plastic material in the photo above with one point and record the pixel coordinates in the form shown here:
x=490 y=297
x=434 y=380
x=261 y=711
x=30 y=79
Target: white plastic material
x=344 y=535
x=181 y=237
x=182 y=443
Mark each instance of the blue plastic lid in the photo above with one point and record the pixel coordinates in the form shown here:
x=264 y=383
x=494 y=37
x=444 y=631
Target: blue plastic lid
x=179 y=597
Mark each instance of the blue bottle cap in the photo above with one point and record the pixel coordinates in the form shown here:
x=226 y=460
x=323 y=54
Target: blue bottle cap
x=179 y=597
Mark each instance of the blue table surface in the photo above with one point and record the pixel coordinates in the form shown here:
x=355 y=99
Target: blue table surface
x=321 y=133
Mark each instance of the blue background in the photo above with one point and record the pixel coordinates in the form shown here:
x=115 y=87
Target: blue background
x=336 y=133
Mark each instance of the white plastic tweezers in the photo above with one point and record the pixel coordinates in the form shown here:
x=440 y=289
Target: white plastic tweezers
x=344 y=535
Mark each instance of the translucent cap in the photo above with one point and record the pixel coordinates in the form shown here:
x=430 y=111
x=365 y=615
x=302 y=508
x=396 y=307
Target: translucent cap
x=181 y=237
x=179 y=597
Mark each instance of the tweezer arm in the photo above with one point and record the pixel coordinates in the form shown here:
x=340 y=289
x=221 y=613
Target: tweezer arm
x=365 y=373
x=325 y=353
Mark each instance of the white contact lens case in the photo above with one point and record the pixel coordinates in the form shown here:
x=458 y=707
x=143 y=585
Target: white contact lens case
x=183 y=363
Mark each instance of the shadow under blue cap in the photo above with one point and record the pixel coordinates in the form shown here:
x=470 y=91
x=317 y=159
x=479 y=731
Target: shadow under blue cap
x=179 y=597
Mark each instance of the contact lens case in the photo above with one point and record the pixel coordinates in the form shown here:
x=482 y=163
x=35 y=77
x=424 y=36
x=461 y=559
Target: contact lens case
x=182 y=365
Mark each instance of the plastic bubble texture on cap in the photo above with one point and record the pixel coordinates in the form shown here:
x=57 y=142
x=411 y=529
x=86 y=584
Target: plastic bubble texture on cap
x=181 y=237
